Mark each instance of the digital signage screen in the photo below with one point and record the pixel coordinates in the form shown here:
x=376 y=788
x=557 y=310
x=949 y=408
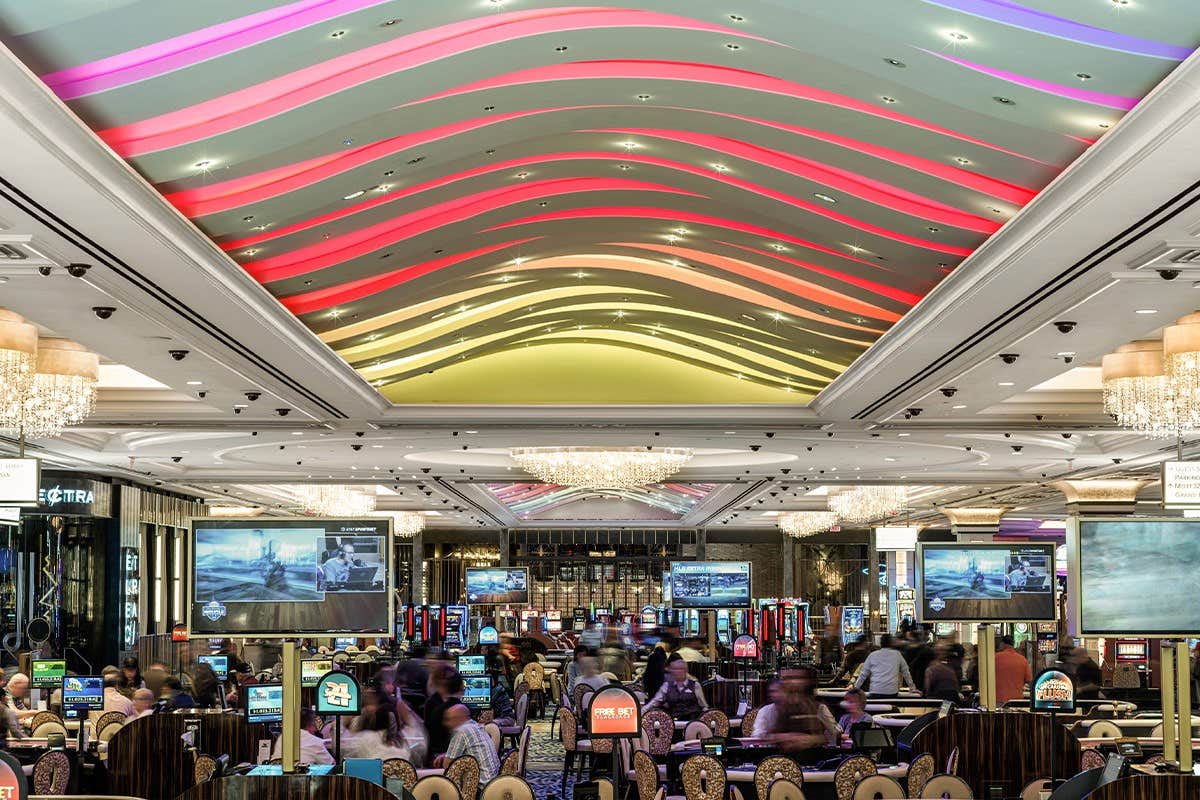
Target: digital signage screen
x=264 y=702
x=47 y=673
x=710 y=584
x=986 y=582
x=472 y=665
x=313 y=669
x=477 y=691
x=497 y=585
x=219 y=664
x=82 y=693
x=1137 y=576
x=290 y=577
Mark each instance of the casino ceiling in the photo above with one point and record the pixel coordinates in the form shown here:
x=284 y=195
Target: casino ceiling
x=685 y=201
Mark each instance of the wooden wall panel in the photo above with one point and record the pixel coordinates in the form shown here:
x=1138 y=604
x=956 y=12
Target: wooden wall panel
x=290 y=787
x=1150 y=787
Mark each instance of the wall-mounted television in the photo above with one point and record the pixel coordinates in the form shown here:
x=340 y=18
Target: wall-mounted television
x=1135 y=576
x=992 y=582
x=497 y=585
x=287 y=577
x=710 y=584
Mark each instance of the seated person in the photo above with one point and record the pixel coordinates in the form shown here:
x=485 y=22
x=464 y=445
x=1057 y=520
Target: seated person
x=503 y=713
x=113 y=699
x=589 y=674
x=681 y=695
x=375 y=733
x=312 y=747
x=173 y=696
x=143 y=703
x=796 y=720
x=469 y=738
x=855 y=703
x=18 y=697
x=448 y=689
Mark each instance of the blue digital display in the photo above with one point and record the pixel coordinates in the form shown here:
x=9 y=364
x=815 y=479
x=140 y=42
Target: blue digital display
x=82 y=693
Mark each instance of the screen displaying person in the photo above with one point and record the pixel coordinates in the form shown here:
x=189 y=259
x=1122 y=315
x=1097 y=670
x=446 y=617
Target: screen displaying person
x=337 y=568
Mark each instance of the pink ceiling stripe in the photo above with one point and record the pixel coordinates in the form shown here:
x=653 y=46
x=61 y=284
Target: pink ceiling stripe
x=295 y=89
x=530 y=161
x=1056 y=89
x=652 y=69
x=192 y=48
x=880 y=288
x=338 y=249
x=612 y=212
x=342 y=293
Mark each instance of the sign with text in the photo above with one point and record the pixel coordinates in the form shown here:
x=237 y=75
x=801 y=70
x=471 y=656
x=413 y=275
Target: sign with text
x=745 y=646
x=339 y=694
x=853 y=623
x=1181 y=484
x=614 y=713
x=1053 y=690
x=456 y=628
x=13 y=785
x=19 y=481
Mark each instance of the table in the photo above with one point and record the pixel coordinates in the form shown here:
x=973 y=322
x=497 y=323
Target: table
x=894 y=720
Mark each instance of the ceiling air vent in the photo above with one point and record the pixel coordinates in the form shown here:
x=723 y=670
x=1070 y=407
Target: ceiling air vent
x=11 y=252
x=1191 y=256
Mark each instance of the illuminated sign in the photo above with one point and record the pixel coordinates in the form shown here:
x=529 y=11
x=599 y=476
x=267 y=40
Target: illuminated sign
x=338 y=693
x=614 y=713
x=852 y=623
x=455 y=618
x=1181 y=484
x=1053 y=691
x=312 y=670
x=489 y=635
x=13 y=785
x=19 y=480
x=895 y=538
x=745 y=646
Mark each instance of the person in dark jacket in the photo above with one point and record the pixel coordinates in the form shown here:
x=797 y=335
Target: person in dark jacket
x=656 y=665
x=941 y=679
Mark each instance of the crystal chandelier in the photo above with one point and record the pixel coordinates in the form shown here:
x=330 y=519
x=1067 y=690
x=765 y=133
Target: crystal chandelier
x=18 y=357
x=45 y=384
x=1181 y=365
x=601 y=467
x=407 y=524
x=325 y=500
x=799 y=524
x=1137 y=392
x=867 y=503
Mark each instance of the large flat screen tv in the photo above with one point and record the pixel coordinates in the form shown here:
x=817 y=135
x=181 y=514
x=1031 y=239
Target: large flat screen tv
x=710 y=584
x=497 y=585
x=1136 y=577
x=290 y=577
x=962 y=582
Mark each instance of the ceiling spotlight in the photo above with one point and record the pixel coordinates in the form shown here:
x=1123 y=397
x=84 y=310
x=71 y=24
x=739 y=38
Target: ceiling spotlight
x=888 y=99
x=629 y=145
x=963 y=161
x=1004 y=101
x=562 y=48
x=1083 y=76
x=624 y=167
x=248 y=218
x=1105 y=125
x=720 y=168
x=353 y=195
x=1120 y=2
x=250 y=252
x=202 y=164
x=933 y=229
x=957 y=36
x=895 y=62
x=387 y=23
x=643 y=97
x=777 y=247
x=733 y=46
x=337 y=34
x=522 y=175
x=824 y=198
x=737 y=18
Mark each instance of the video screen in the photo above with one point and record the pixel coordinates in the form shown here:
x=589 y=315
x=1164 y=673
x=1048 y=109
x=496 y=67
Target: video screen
x=342 y=642
x=478 y=691
x=472 y=665
x=290 y=577
x=47 y=673
x=264 y=702
x=497 y=585
x=1137 y=577
x=82 y=693
x=710 y=584
x=312 y=670
x=219 y=664
x=986 y=582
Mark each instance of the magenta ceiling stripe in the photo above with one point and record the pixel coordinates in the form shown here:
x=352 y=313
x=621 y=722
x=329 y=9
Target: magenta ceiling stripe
x=329 y=297
x=295 y=89
x=337 y=249
x=644 y=212
x=653 y=69
x=532 y=161
x=860 y=186
x=192 y=48
x=1056 y=89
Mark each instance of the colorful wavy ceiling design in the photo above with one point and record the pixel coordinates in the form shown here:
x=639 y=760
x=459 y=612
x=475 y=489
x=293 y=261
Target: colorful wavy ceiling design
x=518 y=201
x=531 y=501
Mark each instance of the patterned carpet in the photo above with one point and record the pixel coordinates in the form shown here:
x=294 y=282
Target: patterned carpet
x=544 y=767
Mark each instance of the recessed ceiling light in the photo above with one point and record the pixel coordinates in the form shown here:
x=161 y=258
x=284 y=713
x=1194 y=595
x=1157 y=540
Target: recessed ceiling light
x=543 y=203
x=387 y=23
x=629 y=145
x=933 y=229
x=1146 y=311
x=1105 y=125
x=957 y=407
x=624 y=167
x=888 y=99
x=1120 y=2
x=888 y=458
x=562 y=48
x=522 y=175
x=996 y=210
x=489 y=108
x=195 y=383
x=1006 y=383
x=202 y=164
x=963 y=161
x=895 y=62
x=1083 y=76
x=824 y=198
x=389 y=173
x=490 y=152
x=777 y=247
x=643 y=97
x=353 y=195
x=720 y=167
x=733 y=46
x=248 y=218
x=1065 y=353
x=1004 y=101
x=348 y=141
x=957 y=36
x=737 y=18
x=250 y=252
x=682 y=231
x=853 y=248
x=904 y=434
x=297 y=433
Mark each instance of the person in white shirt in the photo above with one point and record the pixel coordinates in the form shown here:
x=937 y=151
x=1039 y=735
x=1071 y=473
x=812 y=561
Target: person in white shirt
x=884 y=669
x=143 y=703
x=312 y=746
x=589 y=674
x=113 y=699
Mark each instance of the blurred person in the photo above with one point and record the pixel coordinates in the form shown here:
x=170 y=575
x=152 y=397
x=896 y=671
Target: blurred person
x=589 y=669
x=690 y=651
x=173 y=696
x=18 y=696
x=656 y=664
x=830 y=647
x=941 y=679
x=375 y=732
x=1086 y=673
x=114 y=700
x=131 y=677
x=206 y=689
x=918 y=654
x=10 y=727
x=501 y=704
x=681 y=695
x=448 y=690
x=799 y=722
x=855 y=705
x=852 y=659
x=581 y=652
x=313 y=749
x=143 y=703
x=156 y=676
x=614 y=658
x=764 y=723
x=469 y=738
x=1012 y=672
x=883 y=671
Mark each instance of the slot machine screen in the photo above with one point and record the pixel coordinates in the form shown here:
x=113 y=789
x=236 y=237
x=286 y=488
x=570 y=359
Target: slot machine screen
x=342 y=642
x=472 y=665
x=219 y=664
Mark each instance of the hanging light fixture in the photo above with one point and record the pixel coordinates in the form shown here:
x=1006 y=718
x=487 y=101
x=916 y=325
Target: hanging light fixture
x=869 y=503
x=1138 y=393
x=799 y=524
x=601 y=467
x=18 y=358
x=407 y=524
x=327 y=500
x=1181 y=365
x=64 y=387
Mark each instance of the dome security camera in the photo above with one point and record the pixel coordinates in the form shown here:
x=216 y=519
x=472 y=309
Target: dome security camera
x=756 y=447
x=103 y=312
x=202 y=395
x=949 y=391
x=1065 y=326
x=177 y=459
x=1168 y=274
x=1009 y=358
x=425 y=470
x=252 y=396
x=916 y=412
x=78 y=270
x=45 y=271
x=356 y=447
x=360 y=434
x=769 y=434
x=1016 y=448
x=178 y=355
x=283 y=412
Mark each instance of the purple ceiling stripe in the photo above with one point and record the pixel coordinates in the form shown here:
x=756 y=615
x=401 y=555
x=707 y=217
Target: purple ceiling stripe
x=192 y=48
x=1019 y=16
x=1071 y=92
